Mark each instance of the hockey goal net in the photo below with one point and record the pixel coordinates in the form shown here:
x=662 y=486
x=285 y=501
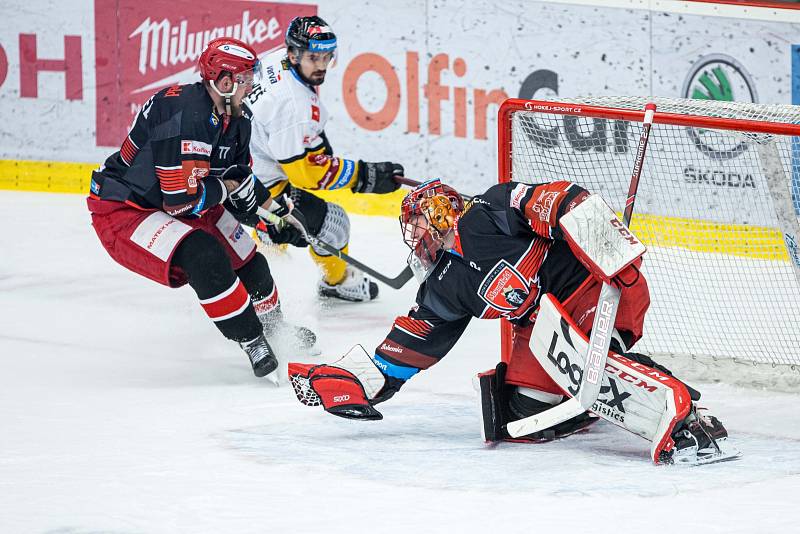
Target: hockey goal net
x=716 y=206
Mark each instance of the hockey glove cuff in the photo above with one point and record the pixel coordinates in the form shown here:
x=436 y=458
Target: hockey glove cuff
x=249 y=194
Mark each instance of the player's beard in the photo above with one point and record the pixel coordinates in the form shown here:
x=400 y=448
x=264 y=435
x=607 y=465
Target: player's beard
x=317 y=77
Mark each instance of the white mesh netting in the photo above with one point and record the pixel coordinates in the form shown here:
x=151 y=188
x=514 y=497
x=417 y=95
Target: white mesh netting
x=724 y=291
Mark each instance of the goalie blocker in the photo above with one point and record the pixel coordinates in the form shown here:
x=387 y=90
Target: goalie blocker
x=636 y=394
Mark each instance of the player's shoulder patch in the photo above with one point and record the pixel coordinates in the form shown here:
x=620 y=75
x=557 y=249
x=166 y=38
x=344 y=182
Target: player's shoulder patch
x=273 y=73
x=517 y=194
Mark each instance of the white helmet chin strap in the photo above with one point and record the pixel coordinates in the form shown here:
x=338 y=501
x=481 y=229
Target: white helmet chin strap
x=226 y=96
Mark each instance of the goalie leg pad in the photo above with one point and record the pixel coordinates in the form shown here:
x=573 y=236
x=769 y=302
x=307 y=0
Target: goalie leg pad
x=501 y=402
x=636 y=397
x=523 y=369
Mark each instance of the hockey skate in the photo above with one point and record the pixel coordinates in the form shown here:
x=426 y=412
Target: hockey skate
x=699 y=439
x=262 y=358
x=355 y=287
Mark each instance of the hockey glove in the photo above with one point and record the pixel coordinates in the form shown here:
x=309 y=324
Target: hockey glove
x=347 y=388
x=249 y=194
x=282 y=232
x=377 y=177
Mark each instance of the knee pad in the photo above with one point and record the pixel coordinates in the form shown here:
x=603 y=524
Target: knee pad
x=335 y=229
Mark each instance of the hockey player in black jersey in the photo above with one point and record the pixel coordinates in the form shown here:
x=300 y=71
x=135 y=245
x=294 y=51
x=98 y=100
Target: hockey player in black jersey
x=163 y=204
x=520 y=252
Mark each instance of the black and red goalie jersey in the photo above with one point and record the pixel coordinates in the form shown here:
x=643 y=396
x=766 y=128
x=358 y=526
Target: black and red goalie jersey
x=508 y=251
x=173 y=156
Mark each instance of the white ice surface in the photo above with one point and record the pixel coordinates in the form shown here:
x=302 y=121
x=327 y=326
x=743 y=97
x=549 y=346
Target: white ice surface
x=123 y=410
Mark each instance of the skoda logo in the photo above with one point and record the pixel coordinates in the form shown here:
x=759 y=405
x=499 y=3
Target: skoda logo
x=718 y=77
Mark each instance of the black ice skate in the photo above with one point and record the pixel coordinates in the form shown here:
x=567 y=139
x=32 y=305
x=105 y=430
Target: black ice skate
x=699 y=439
x=261 y=356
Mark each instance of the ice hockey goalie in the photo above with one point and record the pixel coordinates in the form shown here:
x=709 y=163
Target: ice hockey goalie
x=536 y=255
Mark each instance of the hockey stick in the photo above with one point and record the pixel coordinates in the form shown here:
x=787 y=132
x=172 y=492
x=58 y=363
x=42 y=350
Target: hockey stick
x=602 y=327
x=413 y=183
x=296 y=219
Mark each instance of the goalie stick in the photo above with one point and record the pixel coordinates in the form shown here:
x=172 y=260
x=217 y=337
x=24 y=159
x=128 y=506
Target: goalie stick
x=296 y=219
x=602 y=327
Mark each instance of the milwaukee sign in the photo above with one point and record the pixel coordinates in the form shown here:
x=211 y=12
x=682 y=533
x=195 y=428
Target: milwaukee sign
x=140 y=51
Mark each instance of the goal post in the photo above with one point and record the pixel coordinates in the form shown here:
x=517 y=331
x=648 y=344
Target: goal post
x=717 y=207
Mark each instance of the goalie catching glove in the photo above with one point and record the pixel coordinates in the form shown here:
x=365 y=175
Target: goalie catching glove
x=346 y=388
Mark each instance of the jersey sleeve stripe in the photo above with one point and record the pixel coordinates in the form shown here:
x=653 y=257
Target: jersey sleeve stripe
x=128 y=150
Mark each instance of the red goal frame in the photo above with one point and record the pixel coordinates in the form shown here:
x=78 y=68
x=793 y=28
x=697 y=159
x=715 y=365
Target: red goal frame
x=513 y=105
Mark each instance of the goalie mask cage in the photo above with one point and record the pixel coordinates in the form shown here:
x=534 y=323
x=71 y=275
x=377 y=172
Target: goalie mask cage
x=716 y=207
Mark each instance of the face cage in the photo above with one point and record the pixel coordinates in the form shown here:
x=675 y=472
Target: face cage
x=425 y=243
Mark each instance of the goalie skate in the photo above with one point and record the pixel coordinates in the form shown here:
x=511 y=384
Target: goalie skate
x=701 y=439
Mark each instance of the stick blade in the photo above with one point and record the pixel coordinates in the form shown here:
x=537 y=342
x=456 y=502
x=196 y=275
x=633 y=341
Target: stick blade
x=548 y=418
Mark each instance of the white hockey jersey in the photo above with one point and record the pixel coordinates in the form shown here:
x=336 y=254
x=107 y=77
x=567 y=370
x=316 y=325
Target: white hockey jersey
x=288 y=141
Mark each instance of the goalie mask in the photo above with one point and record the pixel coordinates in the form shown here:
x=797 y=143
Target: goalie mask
x=427 y=218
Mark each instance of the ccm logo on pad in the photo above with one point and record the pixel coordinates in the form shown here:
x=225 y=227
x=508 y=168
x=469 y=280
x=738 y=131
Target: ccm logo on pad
x=341 y=398
x=624 y=232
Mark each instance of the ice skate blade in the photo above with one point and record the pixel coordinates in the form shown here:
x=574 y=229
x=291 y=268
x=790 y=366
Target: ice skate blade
x=273 y=379
x=690 y=458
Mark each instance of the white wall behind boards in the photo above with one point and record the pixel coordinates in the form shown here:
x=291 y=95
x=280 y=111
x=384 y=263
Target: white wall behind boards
x=417 y=83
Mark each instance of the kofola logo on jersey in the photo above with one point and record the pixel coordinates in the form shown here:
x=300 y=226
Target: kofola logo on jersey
x=142 y=48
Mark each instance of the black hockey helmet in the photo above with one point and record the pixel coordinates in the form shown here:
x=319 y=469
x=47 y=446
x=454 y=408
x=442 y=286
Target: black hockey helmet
x=310 y=33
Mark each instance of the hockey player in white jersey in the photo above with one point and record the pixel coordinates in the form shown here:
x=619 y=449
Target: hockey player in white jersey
x=291 y=154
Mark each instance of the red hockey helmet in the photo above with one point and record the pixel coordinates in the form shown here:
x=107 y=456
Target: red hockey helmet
x=427 y=216
x=229 y=55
